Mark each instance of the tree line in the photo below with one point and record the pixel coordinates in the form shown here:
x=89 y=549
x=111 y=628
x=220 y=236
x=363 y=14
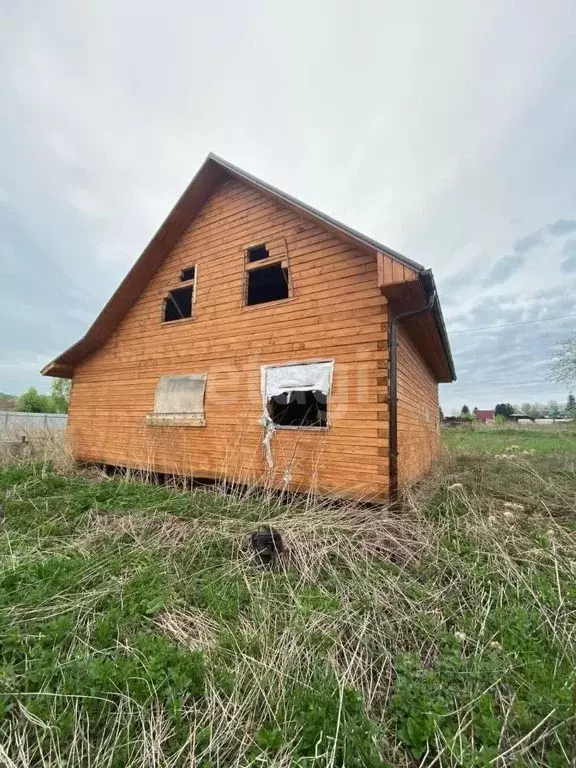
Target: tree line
x=552 y=409
x=33 y=401
x=563 y=372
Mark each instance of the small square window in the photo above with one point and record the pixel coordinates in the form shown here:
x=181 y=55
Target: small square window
x=267 y=284
x=187 y=274
x=257 y=253
x=178 y=304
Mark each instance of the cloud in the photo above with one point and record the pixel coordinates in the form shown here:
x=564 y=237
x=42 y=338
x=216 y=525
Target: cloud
x=509 y=363
x=528 y=242
x=562 y=227
x=568 y=264
x=504 y=268
x=465 y=151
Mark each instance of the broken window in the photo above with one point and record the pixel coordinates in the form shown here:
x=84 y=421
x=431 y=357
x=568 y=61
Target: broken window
x=299 y=409
x=179 y=401
x=296 y=395
x=187 y=274
x=269 y=283
x=257 y=253
x=177 y=304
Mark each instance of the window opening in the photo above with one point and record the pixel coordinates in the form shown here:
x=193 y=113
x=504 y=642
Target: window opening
x=178 y=304
x=187 y=274
x=257 y=253
x=300 y=408
x=270 y=283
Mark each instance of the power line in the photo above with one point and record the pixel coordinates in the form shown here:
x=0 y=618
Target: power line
x=509 y=325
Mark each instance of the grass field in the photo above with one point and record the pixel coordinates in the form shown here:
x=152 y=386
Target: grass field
x=135 y=629
x=545 y=441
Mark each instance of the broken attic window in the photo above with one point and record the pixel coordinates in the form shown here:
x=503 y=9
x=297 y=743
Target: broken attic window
x=178 y=304
x=267 y=284
x=187 y=274
x=257 y=253
x=299 y=409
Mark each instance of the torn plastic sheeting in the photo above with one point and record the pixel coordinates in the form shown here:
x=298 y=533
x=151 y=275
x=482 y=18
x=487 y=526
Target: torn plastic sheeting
x=295 y=377
x=269 y=430
x=302 y=377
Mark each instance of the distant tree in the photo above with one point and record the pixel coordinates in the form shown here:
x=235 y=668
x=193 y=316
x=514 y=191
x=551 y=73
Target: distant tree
x=475 y=410
x=465 y=410
x=564 y=363
x=504 y=409
x=61 y=394
x=533 y=410
x=440 y=414
x=554 y=409
x=33 y=402
x=571 y=407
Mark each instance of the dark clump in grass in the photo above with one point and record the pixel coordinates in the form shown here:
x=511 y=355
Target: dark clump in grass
x=134 y=629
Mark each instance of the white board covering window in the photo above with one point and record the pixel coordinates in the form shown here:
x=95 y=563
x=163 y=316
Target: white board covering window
x=296 y=395
x=179 y=401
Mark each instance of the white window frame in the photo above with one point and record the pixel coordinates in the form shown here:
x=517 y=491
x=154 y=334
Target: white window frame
x=266 y=419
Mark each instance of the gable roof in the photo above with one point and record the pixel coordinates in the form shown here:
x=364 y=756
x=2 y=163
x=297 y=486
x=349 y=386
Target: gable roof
x=211 y=174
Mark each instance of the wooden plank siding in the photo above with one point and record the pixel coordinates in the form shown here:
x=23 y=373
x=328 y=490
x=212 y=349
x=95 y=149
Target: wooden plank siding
x=418 y=412
x=336 y=312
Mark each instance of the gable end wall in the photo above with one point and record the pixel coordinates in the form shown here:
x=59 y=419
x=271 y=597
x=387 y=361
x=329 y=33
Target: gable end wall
x=337 y=312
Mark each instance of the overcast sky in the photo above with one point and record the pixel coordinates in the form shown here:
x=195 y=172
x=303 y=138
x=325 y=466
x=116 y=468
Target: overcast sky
x=446 y=130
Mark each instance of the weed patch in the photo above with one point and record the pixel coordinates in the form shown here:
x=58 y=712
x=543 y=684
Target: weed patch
x=135 y=630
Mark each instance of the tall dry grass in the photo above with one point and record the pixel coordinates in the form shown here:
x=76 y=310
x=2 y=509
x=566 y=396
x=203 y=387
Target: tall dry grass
x=438 y=617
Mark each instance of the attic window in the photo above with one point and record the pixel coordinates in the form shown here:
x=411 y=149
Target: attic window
x=179 y=401
x=269 y=283
x=257 y=253
x=187 y=274
x=178 y=303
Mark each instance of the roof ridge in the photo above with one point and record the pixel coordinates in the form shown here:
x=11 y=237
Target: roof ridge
x=201 y=187
x=237 y=171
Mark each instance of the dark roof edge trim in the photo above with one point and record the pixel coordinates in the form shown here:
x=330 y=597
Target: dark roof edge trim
x=308 y=209
x=429 y=286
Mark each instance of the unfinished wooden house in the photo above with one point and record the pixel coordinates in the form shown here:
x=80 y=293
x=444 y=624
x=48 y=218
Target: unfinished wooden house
x=259 y=341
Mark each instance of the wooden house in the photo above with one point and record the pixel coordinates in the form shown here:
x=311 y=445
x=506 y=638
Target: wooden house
x=259 y=341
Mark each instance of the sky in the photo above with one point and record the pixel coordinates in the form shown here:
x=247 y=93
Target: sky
x=445 y=130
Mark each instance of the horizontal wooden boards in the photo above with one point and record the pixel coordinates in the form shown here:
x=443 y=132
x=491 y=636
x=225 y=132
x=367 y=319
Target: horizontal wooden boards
x=418 y=411
x=337 y=312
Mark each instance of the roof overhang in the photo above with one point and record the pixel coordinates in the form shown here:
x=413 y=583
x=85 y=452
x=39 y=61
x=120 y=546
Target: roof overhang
x=416 y=283
x=407 y=290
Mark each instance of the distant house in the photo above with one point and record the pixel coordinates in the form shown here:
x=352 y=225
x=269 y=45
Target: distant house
x=257 y=339
x=485 y=416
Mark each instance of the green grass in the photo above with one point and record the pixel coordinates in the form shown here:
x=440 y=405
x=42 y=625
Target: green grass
x=135 y=629
x=545 y=440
